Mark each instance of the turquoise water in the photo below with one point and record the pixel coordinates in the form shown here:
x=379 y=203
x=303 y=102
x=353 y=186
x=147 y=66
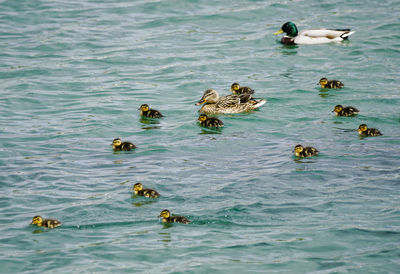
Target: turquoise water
x=73 y=74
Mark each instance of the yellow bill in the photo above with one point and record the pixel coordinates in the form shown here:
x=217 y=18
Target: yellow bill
x=278 y=32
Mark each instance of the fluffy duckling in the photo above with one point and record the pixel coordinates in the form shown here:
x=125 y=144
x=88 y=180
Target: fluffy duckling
x=345 y=111
x=150 y=113
x=325 y=83
x=48 y=223
x=118 y=145
x=210 y=122
x=215 y=104
x=311 y=37
x=363 y=130
x=146 y=192
x=237 y=89
x=301 y=151
x=167 y=218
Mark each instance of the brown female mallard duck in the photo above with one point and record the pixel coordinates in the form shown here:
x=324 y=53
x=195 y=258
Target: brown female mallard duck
x=210 y=122
x=301 y=151
x=215 y=104
x=325 y=83
x=47 y=223
x=345 y=111
x=146 y=192
x=167 y=218
x=237 y=89
x=149 y=113
x=363 y=130
x=118 y=145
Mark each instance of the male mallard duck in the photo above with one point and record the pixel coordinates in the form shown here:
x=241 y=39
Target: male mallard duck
x=301 y=151
x=146 y=192
x=150 y=113
x=363 y=130
x=325 y=83
x=48 y=223
x=167 y=218
x=215 y=104
x=118 y=145
x=237 y=89
x=345 y=111
x=211 y=122
x=313 y=36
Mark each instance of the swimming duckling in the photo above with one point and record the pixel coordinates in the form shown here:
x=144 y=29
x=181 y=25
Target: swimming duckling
x=211 y=122
x=345 y=111
x=48 y=223
x=167 y=218
x=118 y=145
x=312 y=36
x=301 y=151
x=215 y=104
x=363 y=130
x=237 y=89
x=325 y=83
x=150 y=113
x=146 y=192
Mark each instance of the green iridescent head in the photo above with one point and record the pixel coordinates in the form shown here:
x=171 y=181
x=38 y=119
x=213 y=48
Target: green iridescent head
x=289 y=28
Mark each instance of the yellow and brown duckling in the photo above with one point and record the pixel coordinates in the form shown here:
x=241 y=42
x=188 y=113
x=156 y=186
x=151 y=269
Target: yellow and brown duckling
x=118 y=145
x=210 y=122
x=301 y=151
x=48 y=223
x=345 y=111
x=325 y=83
x=145 y=192
x=146 y=111
x=363 y=130
x=215 y=104
x=167 y=218
x=237 y=89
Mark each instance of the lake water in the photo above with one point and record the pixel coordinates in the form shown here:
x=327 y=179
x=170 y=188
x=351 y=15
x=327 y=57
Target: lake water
x=73 y=74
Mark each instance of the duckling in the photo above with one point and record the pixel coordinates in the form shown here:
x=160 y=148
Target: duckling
x=345 y=111
x=215 y=104
x=237 y=89
x=325 y=83
x=363 y=130
x=211 y=122
x=313 y=36
x=301 y=151
x=146 y=192
x=118 y=145
x=48 y=223
x=167 y=218
x=150 y=113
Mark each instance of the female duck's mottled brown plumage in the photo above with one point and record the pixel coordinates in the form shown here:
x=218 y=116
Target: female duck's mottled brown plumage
x=146 y=192
x=167 y=218
x=237 y=89
x=210 y=122
x=118 y=145
x=345 y=111
x=48 y=223
x=215 y=104
x=301 y=151
x=363 y=130
x=325 y=83
x=149 y=113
